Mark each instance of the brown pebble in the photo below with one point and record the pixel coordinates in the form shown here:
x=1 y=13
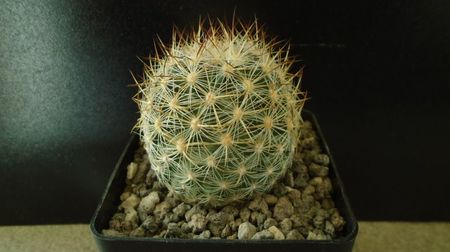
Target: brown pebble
x=283 y=209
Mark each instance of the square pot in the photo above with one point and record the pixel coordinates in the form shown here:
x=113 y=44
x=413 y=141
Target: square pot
x=111 y=200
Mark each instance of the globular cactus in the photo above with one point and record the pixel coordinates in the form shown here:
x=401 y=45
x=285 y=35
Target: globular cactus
x=220 y=113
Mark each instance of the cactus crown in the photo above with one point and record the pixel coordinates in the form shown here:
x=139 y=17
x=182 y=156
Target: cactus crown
x=220 y=113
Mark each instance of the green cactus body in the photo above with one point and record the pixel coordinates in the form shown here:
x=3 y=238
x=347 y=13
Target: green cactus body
x=220 y=114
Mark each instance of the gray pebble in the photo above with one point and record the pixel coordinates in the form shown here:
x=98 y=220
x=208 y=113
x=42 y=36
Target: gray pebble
x=246 y=231
x=197 y=223
x=194 y=210
x=162 y=209
x=147 y=204
x=151 y=224
x=131 y=202
x=181 y=209
x=262 y=235
x=131 y=215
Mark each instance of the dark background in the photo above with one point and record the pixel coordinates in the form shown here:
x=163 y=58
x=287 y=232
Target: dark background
x=377 y=74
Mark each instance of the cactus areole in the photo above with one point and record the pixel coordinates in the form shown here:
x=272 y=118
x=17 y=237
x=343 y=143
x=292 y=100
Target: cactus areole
x=220 y=113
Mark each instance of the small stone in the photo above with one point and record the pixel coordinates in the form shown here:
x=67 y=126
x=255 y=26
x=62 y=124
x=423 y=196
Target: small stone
x=296 y=197
x=131 y=170
x=279 y=190
x=231 y=210
x=203 y=235
x=321 y=159
x=138 y=232
x=235 y=224
x=337 y=221
x=259 y=204
x=220 y=218
x=298 y=221
x=124 y=196
x=244 y=214
x=131 y=215
x=162 y=209
x=270 y=199
x=232 y=237
x=262 y=235
x=147 y=204
x=194 y=210
x=173 y=231
x=185 y=227
x=289 y=178
x=300 y=168
x=225 y=232
x=151 y=224
x=141 y=172
x=116 y=221
x=283 y=209
x=170 y=217
x=260 y=218
x=300 y=181
x=316 y=236
x=131 y=202
x=329 y=228
x=197 y=223
x=246 y=231
x=294 y=235
x=309 y=189
x=270 y=222
x=181 y=209
x=286 y=226
x=277 y=234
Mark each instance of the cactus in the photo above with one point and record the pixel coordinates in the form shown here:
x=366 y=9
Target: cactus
x=220 y=112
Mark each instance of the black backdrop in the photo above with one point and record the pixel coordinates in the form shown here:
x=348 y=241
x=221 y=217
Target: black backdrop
x=377 y=75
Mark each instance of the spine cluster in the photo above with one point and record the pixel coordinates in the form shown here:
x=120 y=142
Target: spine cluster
x=220 y=113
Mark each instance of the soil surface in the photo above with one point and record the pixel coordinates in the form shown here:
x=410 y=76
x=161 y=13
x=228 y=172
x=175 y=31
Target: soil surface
x=300 y=206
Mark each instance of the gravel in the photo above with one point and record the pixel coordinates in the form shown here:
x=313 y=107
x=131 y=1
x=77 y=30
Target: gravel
x=299 y=206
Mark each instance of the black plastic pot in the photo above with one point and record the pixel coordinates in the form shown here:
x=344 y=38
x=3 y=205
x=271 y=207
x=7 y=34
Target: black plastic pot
x=116 y=184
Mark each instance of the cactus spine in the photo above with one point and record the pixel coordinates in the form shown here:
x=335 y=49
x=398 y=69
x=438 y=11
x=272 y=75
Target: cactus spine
x=220 y=113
